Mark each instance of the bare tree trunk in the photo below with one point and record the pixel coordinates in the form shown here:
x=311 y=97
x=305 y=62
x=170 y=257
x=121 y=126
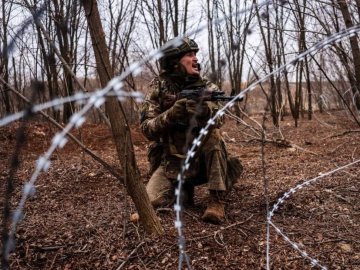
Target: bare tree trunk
x=47 y=68
x=185 y=15
x=278 y=48
x=175 y=18
x=269 y=60
x=61 y=24
x=298 y=91
x=234 y=40
x=354 y=48
x=161 y=24
x=119 y=46
x=318 y=85
x=218 y=32
x=211 y=40
x=358 y=6
x=119 y=125
x=308 y=85
x=4 y=67
x=301 y=9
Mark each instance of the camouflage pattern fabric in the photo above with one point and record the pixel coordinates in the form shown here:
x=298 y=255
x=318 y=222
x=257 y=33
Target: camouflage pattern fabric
x=160 y=189
x=210 y=163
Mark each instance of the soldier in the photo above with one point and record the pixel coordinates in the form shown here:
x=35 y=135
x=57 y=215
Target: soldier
x=173 y=123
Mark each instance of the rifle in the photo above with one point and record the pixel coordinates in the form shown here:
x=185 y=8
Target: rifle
x=200 y=93
x=205 y=95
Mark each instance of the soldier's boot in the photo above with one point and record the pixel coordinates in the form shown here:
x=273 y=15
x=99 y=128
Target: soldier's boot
x=215 y=211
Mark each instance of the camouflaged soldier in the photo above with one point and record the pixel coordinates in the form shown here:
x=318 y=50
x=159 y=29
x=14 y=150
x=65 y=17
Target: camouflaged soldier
x=173 y=123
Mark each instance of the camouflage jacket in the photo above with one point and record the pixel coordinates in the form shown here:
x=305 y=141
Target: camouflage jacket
x=155 y=125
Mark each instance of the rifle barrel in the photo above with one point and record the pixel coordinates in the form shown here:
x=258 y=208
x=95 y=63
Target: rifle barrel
x=227 y=98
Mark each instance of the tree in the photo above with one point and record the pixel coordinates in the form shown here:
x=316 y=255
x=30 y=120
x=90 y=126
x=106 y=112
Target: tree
x=119 y=125
x=62 y=18
x=235 y=39
x=354 y=48
x=4 y=64
x=120 y=39
x=266 y=39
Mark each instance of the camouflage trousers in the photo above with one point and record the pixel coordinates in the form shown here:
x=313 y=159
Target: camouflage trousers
x=209 y=167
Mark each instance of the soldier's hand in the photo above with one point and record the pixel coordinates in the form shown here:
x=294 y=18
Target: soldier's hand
x=178 y=110
x=200 y=110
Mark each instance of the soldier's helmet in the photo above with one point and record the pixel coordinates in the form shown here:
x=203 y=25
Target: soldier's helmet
x=172 y=54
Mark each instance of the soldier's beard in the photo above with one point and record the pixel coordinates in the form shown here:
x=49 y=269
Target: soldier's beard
x=182 y=70
x=180 y=76
x=186 y=77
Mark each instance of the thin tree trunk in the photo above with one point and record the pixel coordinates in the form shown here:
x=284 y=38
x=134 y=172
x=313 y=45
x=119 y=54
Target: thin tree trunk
x=63 y=38
x=119 y=125
x=354 y=48
x=211 y=40
x=161 y=24
x=308 y=85
x=4 y=68
x=269 y=61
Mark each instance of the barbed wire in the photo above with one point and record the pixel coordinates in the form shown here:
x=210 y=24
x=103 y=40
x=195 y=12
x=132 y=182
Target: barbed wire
x=95 y=99
x=324 y=44
x=114 y=88
x=79 y=97
x=287 y=195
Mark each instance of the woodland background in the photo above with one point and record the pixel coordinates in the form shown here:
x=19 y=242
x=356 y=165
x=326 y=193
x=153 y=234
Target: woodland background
x=298 y=123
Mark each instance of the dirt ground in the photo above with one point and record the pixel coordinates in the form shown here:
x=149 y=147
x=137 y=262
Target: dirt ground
x=79 y=215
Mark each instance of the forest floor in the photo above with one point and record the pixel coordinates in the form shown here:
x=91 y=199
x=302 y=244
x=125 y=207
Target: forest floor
x=79 y=217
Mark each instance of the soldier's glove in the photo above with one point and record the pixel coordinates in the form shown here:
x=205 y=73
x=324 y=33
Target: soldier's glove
x=200 y=110
x=177 y=111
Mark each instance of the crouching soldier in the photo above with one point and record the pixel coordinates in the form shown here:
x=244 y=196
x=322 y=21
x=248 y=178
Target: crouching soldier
x=172 y=123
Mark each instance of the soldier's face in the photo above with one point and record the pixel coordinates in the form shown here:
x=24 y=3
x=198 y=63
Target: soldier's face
x=190 y=62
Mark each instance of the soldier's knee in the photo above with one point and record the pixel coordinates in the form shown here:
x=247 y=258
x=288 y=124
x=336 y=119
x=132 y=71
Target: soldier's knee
x=161 y=201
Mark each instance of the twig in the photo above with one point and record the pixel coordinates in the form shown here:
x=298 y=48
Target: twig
x=338 y=240
x=283 y=143
x=166 y=249
x=338 y=196
x=53 y=261
x=344 y=133
x=222 y=229
x=339 y=146
x=300 y=148
x=128 y=258
x=239 y=120
x=50 y=248
x=196 y=217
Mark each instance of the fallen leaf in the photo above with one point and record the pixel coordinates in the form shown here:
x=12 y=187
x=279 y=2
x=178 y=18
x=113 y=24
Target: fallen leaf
x=134 y=217
x=345 y=247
